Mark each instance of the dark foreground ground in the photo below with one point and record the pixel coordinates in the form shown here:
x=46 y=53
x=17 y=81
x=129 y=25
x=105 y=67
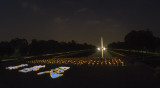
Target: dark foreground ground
x=137 y=75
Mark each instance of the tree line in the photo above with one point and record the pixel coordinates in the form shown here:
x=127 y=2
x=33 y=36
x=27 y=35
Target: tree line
x=138 y=40
x=20 y=47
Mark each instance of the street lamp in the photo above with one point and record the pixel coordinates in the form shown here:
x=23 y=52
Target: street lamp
x=100 y=49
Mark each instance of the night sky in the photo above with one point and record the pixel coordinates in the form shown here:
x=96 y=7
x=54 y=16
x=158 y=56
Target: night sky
x=80 y=20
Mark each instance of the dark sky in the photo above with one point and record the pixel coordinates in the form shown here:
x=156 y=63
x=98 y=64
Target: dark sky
x=80 y=20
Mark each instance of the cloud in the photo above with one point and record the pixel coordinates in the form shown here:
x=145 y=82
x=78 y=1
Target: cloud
x=30 y=6
x=58 y=20
x=116 y=25
x=68 y=2
x=24 y=4
x=113 y=22
x=94 y=22
x=61 y=20
x=82 y=10
x=35 y=8
x=110 y=20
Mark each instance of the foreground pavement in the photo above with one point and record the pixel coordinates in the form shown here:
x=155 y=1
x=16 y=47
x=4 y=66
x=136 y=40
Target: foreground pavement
x=137 y=75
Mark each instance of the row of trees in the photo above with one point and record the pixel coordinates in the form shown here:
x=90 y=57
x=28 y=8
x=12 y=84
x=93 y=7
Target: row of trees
x=21 y=47
x=138 y=40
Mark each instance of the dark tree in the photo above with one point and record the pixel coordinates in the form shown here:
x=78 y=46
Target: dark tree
x=6 y=49
x=140 y=40
x=117 y=45
x=157 y=44
x=20 y=46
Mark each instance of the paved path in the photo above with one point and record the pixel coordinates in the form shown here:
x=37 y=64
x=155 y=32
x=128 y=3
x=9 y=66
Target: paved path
x=135 y=75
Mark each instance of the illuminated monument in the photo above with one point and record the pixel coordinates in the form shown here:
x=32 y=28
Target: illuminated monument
x=102 y=47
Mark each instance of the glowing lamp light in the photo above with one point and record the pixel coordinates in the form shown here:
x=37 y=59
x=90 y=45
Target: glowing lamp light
x=57 y=71
x=98 y=48
x=40 y=73
x=54 y=73
x=60 y=69
x=16 y=67
x=34 y=68
x=104 y=48
x=65 y=68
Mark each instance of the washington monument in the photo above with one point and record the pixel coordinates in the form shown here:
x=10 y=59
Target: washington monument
x=102 y=47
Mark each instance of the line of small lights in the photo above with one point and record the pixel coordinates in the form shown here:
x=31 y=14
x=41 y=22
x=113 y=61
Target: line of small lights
x=81 y=61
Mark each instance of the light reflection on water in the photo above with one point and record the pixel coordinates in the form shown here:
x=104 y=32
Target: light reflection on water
x=34 y=68
x=55 y=73
x=16 y=67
